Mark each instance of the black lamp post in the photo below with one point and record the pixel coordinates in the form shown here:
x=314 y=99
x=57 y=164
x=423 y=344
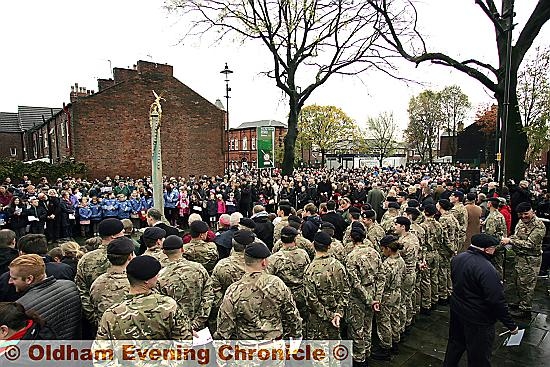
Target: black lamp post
x=226 y=71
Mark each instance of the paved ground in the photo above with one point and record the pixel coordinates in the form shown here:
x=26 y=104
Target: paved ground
x=426 y=344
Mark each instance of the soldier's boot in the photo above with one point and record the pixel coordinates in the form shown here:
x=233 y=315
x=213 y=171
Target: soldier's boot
x=381 y=354
x=394 y=348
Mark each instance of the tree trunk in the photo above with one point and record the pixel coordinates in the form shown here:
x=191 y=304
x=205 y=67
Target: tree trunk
x=322 y=157
x=290 y=140
x=516 y=140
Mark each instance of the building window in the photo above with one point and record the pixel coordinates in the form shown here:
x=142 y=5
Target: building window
x=13 y=152
x=67 y=137
x=231 y=144
x=63 y=130
x=245 y=143
x=236 y=144
x=253 y=143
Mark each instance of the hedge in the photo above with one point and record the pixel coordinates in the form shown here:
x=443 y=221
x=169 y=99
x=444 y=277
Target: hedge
x=17 y=169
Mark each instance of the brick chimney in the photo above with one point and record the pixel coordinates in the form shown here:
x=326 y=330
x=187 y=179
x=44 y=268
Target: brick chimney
x=78 y=92
x=122 y=75
x=146 y=67
x=103 y=84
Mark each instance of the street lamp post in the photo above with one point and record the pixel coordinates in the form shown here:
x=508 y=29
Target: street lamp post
x=226 y=71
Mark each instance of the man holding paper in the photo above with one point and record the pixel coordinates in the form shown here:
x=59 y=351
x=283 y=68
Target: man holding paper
x=477 y=302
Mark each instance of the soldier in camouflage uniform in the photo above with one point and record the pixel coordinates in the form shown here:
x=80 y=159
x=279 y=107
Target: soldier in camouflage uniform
x=448 y=249
x=198 y=250
x=495 y=225
x=375 y=232
x=153 y=238
x=429 y=283
x=388 y=320
x=402 y=201
x=461 y=214
x=95 y=263
x=410 y=254
x=355 y=216
x=327 y=291
x=289 y=264
x=283 y=212
x=364 y=268
x=144 y=315
x=187 y=282
x=336 y=248
x=388 y=221
x=301 y=242
x=111 y=288
x=413 y=214
x=527 y=244
x=259 y=306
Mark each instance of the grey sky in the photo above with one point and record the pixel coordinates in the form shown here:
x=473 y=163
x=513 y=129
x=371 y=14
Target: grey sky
x=50 y=45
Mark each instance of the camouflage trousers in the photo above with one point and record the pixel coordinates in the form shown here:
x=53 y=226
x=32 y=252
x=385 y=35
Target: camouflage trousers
x=320 y=329
x=301 y=304
x=444 y=276
x=359 y=319
x=526 y=269
x=498 y=260
x=388 y=321
x=429 y=280
x=417 y=294
x=408 y=294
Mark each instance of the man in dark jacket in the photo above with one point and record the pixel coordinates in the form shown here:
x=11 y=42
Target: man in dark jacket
x=312 y=222
x=477 y=303
x=36 y=215
x=154 y=219
x=55 y=301
x=224 y=237
x=7 y=249
x=336 y=219
x=264 y=227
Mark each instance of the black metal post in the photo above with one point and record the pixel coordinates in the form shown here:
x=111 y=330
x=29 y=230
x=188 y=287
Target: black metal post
x=226 y=71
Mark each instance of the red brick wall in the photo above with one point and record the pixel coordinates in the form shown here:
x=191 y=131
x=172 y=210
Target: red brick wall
x=236 y=155
x=11 y=140
x=38 y=145
x=112 y=134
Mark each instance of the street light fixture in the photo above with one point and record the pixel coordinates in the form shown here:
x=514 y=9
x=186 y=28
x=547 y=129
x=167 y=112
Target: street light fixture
x=226 y=71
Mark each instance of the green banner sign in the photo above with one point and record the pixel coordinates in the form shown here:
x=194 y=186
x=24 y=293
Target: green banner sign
x=266 y=147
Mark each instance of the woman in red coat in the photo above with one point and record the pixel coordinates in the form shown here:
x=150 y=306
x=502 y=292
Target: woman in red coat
x=506 y=211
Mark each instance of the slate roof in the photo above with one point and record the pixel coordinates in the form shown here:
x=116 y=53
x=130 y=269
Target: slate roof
x=9 y=122
x=32 y=116
x=260 y=123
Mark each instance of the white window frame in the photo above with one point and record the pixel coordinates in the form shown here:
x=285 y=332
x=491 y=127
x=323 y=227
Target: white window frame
x=253 y=143
x=245 y=143
x=13 y=151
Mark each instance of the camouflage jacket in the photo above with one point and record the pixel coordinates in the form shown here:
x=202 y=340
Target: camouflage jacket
x=374 y=234
x=393 y=268
x=388 y=223
x=451 y=236
x=278 y=227
x=366 y=279
x=327 y=287
x=337 y=250
x=149 y=316
x=204 y=253
x=107 y=290
x=301 y=242
x=158 y=254
x=527 y=238
x=188 y=284
x=411 y=251
x=420 y=233
x=225 y=273
x=289 y=264
x=495 y=225
x=347 y=233
x=90 y=266
x=259 y=306
x=461 y=215
x=434 y=234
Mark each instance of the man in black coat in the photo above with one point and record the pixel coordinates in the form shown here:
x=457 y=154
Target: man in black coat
x=7 y=249
x=477 y=303
x=336 y=219
x=154 y=219
x=264 y=227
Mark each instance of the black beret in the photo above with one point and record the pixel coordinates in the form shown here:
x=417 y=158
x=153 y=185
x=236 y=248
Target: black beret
x=523 y=207
x=248 y=223
x=154 y=233
x=391 y=242
x=412 y=210
x=327 y=225
x=404 y=221
x=445 y=204
x=358 y=230
x=172 y=242
x=198 y=226
x=143 y=267
x=393 y=205
x=294 y=218
x=484 y=240
x=430 y=209
x=289 y=231
x=366 y=207
x=357 y=224
x=353 y=209
x=110 y=226
x=391 y=199
x=458 y=194
x=121 y=246
x=368 y=214
x=413 y=203
x=244 y=237
x=257 y=250
x=322 y=238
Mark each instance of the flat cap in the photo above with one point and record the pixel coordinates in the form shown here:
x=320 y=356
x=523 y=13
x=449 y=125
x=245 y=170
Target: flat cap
x=244 y=237
x=445 y=204
x=198 y=226
x=484 y=240
x=327 y=225
x=322 y=238
x=248 y=223
x=393 y=205
x=154 y=233
x=523 y=207
x=430 y=209
x=121 y=246
x=404 y=221
x=458 y=194
x=110 y=226
x=172 y=242
x=289 y=231
x=502 y=201
x=143 y=267
x=257 y=250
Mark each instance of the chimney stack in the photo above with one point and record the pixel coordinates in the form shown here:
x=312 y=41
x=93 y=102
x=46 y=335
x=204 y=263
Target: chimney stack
x=78 y=92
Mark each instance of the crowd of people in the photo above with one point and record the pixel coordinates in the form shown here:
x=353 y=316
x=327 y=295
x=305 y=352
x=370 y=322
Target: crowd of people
x=322 y=254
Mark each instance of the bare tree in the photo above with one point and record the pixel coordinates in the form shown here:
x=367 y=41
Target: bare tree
x=492 y=77
x=424 y=121
x=382 y=135
x=308 y=40
x=454 y=108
